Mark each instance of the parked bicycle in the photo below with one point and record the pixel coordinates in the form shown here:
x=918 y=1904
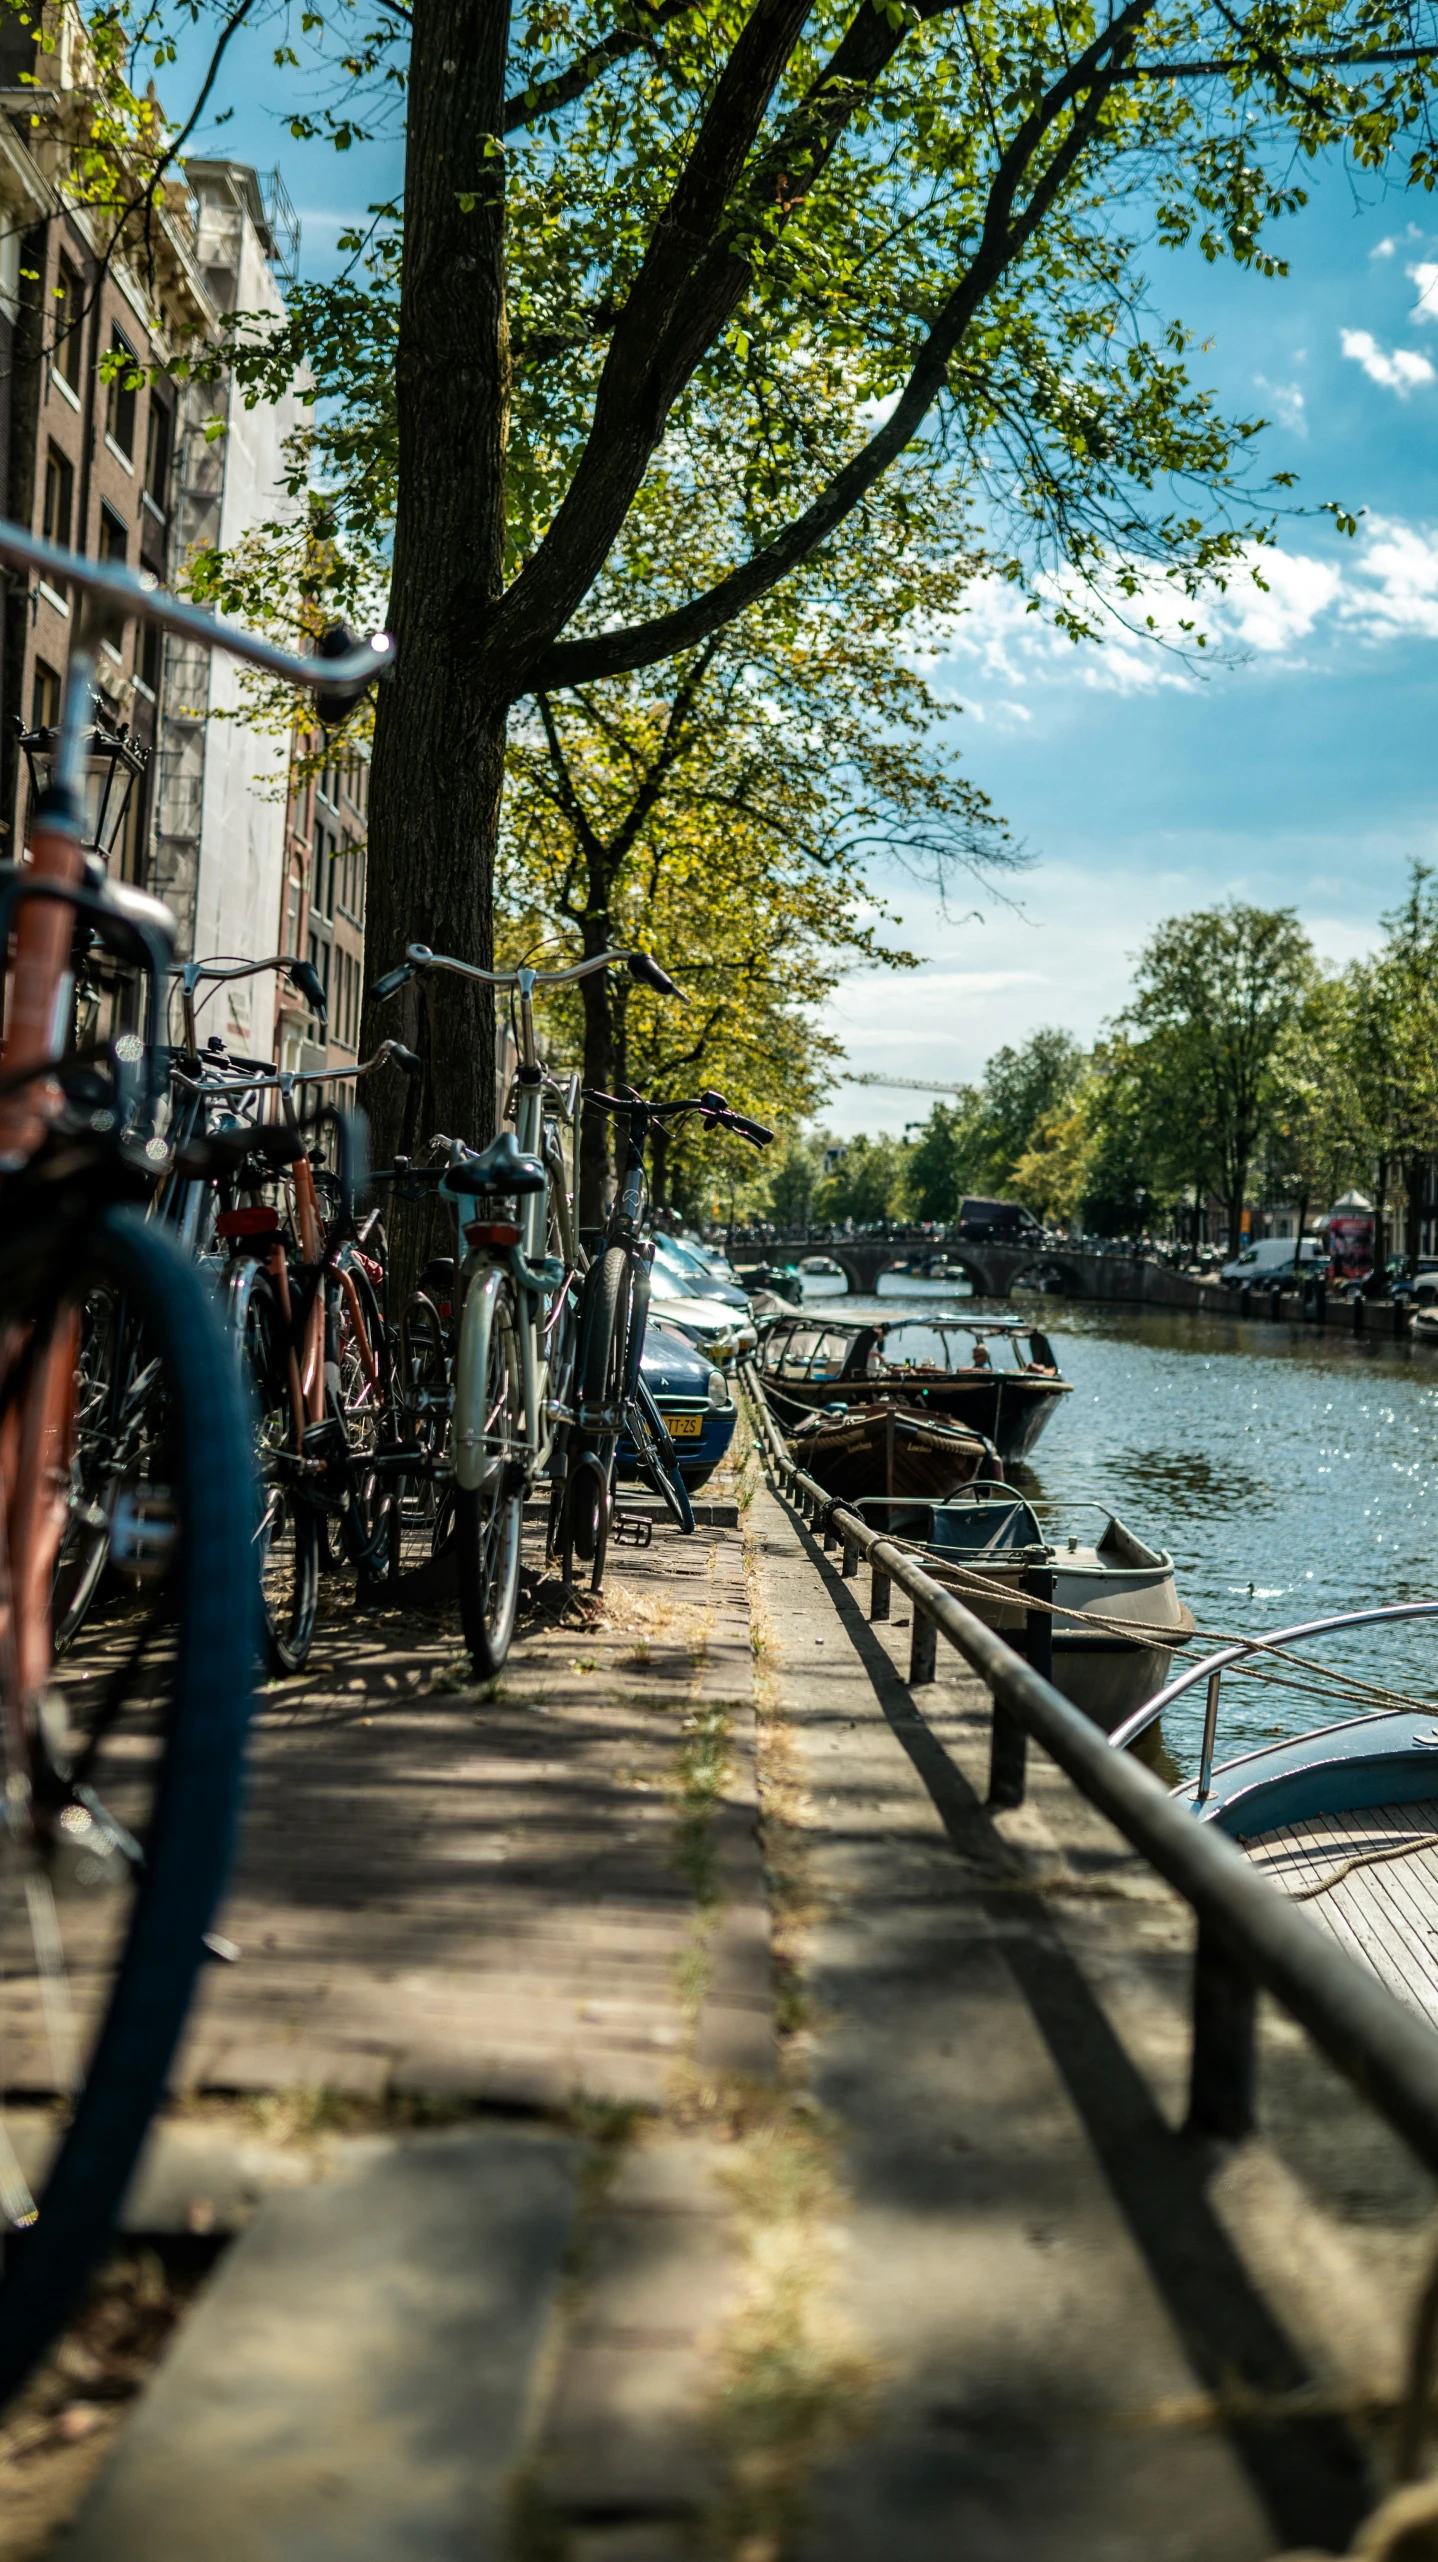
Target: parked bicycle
x=515 y=1302
x=120 y=1773
x=614 y=1316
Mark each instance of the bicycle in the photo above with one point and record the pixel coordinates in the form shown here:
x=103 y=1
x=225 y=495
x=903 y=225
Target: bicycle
x=302 y=1297
x=119 y=1776
x=614 y=1319
x=512 y=1340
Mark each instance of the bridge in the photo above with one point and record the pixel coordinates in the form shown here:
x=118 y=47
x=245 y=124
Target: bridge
x=991 y=1269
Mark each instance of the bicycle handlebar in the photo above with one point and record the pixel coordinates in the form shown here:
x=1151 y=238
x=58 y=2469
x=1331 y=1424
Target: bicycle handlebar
x=419 y=958
x=711 y=1108
x=123 y=591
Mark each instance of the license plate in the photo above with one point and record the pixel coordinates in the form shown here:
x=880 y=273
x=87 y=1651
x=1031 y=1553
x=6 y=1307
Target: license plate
x=684 y=1427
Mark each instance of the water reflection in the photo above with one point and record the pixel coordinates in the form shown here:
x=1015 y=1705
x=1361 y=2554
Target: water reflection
x=1292 y=1474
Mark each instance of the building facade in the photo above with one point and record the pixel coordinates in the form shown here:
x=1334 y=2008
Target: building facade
x=104 y=453
x=322 y=916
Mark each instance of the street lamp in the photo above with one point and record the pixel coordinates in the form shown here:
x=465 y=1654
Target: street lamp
x=114 y=762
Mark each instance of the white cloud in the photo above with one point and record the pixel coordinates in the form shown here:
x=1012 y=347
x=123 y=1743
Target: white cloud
x=1424 y=275
x=1400 y=372
x=1392 y=592
x=1297 y=591
x=1286 y=402
x=1383 y=249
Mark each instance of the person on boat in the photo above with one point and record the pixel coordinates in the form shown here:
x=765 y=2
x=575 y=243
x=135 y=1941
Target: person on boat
x=1041 y=1354
x=981 y=1359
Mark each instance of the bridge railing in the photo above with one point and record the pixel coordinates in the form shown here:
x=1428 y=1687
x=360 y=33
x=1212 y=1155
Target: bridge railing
x=1249 y=1936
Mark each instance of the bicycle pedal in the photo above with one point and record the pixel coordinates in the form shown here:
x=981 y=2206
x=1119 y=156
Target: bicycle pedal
x=632 y=1530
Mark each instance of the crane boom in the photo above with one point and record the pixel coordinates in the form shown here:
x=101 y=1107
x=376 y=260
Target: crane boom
x=914 y=1084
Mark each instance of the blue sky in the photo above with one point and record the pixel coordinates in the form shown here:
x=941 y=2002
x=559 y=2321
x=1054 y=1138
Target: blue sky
x=1299 y=772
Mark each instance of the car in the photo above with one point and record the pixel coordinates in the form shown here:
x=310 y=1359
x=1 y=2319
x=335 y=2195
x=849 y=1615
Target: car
x=1270 y=1259
x=722 y=1334
x=678 y=1271
x=694 y=1399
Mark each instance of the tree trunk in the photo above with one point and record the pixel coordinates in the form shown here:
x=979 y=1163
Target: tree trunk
x=1298 y=1240
x=438 y=767
x=1235 y=1209
x=1413 y=1211
x=659 y=1166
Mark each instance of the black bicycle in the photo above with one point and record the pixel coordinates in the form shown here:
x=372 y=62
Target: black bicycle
x=612 y=1397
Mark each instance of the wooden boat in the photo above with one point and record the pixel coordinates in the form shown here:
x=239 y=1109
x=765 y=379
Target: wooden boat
x=1344 y=1818
x=1118 y=1619
x=810 y=1361
x=888 y=1449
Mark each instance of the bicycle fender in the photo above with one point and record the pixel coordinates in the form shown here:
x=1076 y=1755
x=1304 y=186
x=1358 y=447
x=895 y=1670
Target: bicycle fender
x=472 y=1467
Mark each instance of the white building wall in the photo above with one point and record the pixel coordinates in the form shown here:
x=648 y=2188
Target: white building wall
x=242 y=808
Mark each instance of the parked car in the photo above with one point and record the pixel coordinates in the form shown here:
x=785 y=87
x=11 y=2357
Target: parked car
x=722 y=1334
x=1270 y=1258
x=693 y=1397
x=678 y=1268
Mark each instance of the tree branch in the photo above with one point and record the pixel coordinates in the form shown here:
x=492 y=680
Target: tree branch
x=545 y=97
x=614 y=653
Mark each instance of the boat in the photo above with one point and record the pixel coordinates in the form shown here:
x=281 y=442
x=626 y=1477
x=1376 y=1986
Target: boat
x=1118 y=1620
x=811 y=1361
x=888 y=1449
x=1342 y=1817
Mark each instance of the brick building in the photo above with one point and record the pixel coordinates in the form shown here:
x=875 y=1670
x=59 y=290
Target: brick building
x=322 y=915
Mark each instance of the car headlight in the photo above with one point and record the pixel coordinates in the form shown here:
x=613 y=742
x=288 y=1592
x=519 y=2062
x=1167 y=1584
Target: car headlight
x=718 y=1388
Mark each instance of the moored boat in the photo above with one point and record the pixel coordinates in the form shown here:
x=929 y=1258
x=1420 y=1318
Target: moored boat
x=810 y=1361
x=1342 y=1818
x=1118 y=1620
x=888 y=1449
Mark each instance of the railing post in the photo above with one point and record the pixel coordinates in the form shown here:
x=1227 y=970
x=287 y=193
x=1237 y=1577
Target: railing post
x=1221 y=2085
x=923 y=1648
x=1008 y=1759
x=831 y=1535
x=849 y=1564
x=879 y=1589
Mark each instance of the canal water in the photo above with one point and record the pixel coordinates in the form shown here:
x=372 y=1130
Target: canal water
x=1291 y=1474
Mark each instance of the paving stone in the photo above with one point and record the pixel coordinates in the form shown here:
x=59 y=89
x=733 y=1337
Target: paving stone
x=628 y=2432
x=353 y=2387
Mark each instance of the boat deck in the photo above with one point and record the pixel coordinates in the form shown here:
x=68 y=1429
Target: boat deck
x=1385 y=1912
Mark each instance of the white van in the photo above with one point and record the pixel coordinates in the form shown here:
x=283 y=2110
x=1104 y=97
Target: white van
x=1272 y=1256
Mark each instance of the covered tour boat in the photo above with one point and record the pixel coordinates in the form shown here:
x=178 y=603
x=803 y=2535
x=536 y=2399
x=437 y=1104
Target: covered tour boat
x=1006 y=1393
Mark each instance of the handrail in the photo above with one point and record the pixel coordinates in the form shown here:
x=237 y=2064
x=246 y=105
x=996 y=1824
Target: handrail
x=1249 y=1936
x=1209 y=1666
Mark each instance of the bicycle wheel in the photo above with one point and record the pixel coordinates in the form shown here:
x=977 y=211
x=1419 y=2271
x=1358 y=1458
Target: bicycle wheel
x=108 y=1409
x=287 y=1540
x=365 y=1404
x=489 y=1450
x=121 y=1766
x=604 y=1358
x=658 y=1459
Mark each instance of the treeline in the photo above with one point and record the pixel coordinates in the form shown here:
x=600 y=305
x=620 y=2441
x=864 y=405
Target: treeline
x=1241 y=1068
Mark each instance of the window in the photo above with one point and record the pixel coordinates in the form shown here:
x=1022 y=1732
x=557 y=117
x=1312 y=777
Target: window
x=114 y=535
x=157 y=455
x=120 y=396
x=152 y=647
x=322 y=881
x=59 y=497
x=45 y=698
x=69 y=325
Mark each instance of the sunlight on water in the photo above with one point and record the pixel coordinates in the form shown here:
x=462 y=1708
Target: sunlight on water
x=1291 y=1474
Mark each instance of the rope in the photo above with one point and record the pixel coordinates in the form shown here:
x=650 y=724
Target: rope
x=1363 y=1859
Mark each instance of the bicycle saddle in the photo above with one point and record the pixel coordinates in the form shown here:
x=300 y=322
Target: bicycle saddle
x=500 y=1168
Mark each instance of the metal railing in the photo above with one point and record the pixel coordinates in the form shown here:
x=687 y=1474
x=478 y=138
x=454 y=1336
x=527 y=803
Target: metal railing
x=1211 y=1668
x=1250 y=1937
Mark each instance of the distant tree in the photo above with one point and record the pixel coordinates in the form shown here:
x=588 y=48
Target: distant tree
x=1022 y=1089
x=1320 y=1139
x=934 y=1162
x=793 y=1178
x=867 y=1183
x=1392 y=1050
x=1215 y=994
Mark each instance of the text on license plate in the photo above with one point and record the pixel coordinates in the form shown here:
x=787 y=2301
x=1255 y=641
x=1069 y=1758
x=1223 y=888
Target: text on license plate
x=684 y=1427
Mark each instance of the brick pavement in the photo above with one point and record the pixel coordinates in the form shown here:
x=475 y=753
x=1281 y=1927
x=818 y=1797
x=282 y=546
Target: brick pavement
x=481 y=1894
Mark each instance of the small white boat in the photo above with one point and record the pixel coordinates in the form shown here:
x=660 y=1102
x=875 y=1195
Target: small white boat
x=1118 y=1621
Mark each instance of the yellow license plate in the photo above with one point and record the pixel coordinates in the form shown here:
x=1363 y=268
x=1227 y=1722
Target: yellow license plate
x=684 y=1427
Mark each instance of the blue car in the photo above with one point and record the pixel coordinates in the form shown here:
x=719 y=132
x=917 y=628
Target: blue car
x=694 y=1399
